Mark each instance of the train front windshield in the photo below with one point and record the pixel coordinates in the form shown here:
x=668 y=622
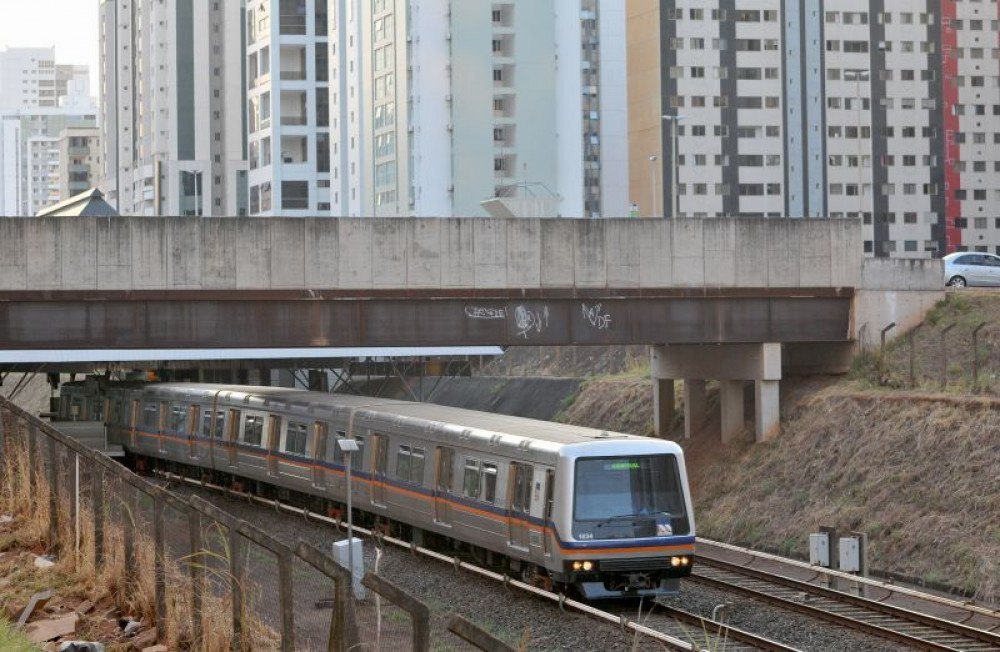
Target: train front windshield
x=628 y=497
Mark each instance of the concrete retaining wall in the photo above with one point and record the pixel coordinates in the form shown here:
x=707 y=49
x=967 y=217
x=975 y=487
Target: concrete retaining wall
x=132 y=253
x=895 y=290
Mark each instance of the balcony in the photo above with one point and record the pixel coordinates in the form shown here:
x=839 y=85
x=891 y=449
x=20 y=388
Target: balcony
x=293 y=63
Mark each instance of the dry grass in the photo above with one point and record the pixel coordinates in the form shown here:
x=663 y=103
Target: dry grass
x=131 y=593
x=621 y=404
x=919 y=476
x=917 y=471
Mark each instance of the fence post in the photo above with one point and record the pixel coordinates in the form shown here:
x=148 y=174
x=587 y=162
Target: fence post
x=128 y=534
x=975 y=356
x=53 y=495
x=944 y=356
x=32 y=458
x=97 y=498
x=197 y=572
x=911 y=339
x=419 y=612
x=285 y=600
x=343 y=624
x=476 y=636
x=237 y=550
x=159 y=569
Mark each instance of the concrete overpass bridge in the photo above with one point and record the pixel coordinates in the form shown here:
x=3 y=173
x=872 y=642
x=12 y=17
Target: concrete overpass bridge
x=732 y=300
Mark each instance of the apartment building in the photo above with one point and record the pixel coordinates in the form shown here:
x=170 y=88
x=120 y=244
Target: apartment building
x=288 y=92
x=79 y=160
x=30 y=158
x=873 y=109
x=430 y=107
x=173 y=113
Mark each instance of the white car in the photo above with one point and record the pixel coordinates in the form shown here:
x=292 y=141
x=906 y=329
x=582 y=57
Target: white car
x=971 y=268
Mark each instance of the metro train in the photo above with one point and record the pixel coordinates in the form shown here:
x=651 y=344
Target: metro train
x=556 y=505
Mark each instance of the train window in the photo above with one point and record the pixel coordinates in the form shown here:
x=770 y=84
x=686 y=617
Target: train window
x=470 y=486
x=253 y=430
x=321 y=431
x=296 y=438
x=403 y=463
x=490 y=482
x=210 y=429
x=446 y=469
x=520 y=496
x=357 y=459
x=150 y=415
x=176 y=422
x=338 y=455
x=417 y=466
x=381 y=461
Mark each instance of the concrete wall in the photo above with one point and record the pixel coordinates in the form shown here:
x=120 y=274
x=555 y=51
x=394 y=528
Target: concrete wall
x=895 y=290
x=184 y=253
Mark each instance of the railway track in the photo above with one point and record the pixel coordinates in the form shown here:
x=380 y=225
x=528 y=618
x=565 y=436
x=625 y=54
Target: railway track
x=870 y=616
x=670 y=627
x=676 y=629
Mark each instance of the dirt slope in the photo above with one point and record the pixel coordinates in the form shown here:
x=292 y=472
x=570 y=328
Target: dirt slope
x=919 y=473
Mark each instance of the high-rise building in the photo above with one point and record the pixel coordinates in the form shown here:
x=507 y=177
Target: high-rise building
x=30 y=158
x=878 y=110
x=29 y=78
x=430 y=107
x=79 y=160
x=289 y=99
x=172 y=111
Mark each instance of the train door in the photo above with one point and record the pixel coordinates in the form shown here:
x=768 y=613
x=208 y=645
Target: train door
x=273 y=444
x=161 y=427
x=380 y=463
x=133 y=422
x=194 y=412
x=548 y=531
x=443 y=482
x=519 y=503
x=321 y=434
x=233 y=435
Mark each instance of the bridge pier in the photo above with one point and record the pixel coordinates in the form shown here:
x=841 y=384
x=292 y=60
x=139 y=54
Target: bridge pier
x=664 y=406
x=732 y=365
x=695 y=406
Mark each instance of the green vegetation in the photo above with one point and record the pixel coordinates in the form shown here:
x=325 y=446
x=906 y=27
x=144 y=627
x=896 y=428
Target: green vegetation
x=11 y=641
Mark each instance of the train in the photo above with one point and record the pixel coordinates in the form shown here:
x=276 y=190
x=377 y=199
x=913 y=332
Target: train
x=560 y=506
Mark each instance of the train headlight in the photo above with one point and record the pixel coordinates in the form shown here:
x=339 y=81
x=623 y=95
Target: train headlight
x=675 y=561
x=588 y=566
x=577 y=565
x=685 y=561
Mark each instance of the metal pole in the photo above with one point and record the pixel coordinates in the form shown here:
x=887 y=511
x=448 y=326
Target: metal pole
x=76 y=520
x=652 y=186
x=675 y=173
x=350 y=520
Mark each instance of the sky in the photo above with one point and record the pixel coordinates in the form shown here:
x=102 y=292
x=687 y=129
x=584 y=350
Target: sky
x=69 y=25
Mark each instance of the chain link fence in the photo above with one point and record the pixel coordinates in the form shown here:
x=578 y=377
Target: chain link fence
x=203 y=578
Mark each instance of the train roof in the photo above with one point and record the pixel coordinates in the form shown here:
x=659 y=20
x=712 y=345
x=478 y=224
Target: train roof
x=556 y=433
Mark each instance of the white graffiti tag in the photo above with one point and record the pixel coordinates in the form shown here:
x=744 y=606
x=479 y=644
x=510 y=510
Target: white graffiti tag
x=596 y=317
x=528 y=320
x=485 y=312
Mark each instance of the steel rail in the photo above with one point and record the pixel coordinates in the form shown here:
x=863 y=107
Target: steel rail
x=822 y=614
x=564 y=602
x=901 y=615
x=967 y=606
x=722 y=631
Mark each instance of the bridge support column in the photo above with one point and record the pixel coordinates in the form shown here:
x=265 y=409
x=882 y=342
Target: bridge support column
x=731 y=403
x=695 y=407
x=767 y=419
x=732 y=365
x=664 y=406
